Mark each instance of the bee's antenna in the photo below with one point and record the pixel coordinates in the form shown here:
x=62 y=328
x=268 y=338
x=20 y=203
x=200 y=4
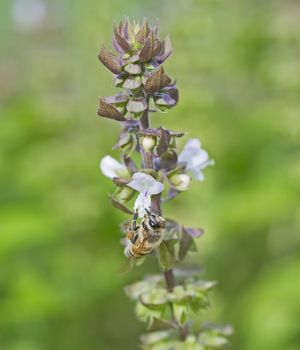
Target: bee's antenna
x=154 y=211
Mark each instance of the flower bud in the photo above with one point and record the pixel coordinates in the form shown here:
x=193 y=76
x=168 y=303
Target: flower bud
x=127 y=143
x=180 y=182
x=148 y=143
x=124 y=194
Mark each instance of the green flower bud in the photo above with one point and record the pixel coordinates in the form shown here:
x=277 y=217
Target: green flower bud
x=180 y=182
x=127 y=143
x=148 y=143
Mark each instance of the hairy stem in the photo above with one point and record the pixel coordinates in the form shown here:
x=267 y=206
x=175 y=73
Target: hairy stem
x=144 y=124
x=147 y=159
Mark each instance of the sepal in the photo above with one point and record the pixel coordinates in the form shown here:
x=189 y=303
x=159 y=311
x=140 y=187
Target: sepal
x=117 y=204
x=109 y=60
x=107 y=110
x=157 y=81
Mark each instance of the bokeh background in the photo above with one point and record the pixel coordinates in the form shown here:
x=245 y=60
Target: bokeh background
x=238 y=70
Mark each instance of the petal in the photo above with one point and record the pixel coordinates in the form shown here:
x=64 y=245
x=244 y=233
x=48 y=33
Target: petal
x=157 y=187
x=192 y=147
x=207 y=163
x=110 y=167
x=145 y=183
x=198 y=175
x=197 y=159
x=142 y=203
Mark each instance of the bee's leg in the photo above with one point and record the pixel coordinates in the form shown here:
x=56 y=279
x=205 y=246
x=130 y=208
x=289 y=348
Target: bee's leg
x=135 y=216
x=134 y=239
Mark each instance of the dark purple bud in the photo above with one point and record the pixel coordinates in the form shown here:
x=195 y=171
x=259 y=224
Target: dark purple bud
x=109 y=111
x=124 y=28
x=166 y=50
x=163 y=99
x=157 y=81
x=168 y=160
x=172 y=91
x=121 y=41
x=116 y=46
x=151 y=48
x=109 y=60
x=163 y=142
x=143 y=33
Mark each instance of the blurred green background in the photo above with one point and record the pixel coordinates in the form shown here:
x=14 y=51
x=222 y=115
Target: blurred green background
x=238 y=70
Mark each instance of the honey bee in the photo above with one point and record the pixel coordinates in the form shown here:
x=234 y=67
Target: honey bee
x=145 y=237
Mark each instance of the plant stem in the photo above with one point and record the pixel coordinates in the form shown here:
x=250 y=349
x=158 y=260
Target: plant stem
x=144 y=124
x=170 y=280
x=147 y=160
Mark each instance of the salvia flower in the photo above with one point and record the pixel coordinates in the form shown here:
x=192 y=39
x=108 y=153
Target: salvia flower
x=147 y=186
x=195 y=158
x=111 y=168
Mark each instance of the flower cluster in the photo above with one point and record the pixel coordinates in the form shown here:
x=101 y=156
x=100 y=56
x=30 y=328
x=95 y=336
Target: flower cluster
x=191 y=161
x=138 y=69
x=152 y=170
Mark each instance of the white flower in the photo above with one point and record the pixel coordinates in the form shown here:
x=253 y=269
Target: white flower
x=195 y=158
x=146 y=185
x=111 y=168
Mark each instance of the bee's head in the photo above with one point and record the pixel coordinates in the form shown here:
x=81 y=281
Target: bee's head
x=155 y=221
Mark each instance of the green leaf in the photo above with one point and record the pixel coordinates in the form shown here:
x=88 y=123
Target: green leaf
x=181 y=312
x=224 y=330
x=148 y=315
x=212 y=341
x=156 y=297
x=135 y=290
x=172 y=230
x=199 y=302
x=202 y=285
x=166 y=254
x=184 y=245
x=155 y=337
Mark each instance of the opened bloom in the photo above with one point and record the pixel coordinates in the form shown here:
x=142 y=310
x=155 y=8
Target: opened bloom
x=146 y=185
x=195 y=158
x=111 y=168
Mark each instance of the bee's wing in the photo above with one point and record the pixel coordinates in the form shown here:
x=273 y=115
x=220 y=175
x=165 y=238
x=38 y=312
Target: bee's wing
x=128 y=264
